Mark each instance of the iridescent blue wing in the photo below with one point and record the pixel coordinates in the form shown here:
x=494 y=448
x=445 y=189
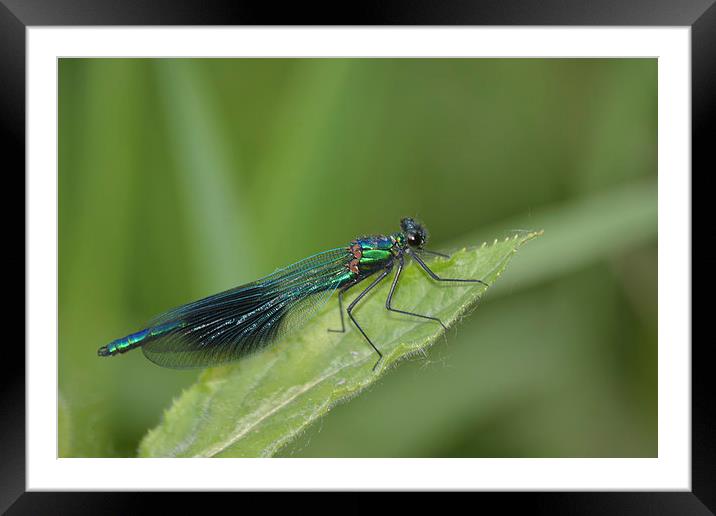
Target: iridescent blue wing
x=226 y=326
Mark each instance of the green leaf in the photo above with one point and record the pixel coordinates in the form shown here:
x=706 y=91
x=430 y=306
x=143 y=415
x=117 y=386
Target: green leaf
x=253 y=408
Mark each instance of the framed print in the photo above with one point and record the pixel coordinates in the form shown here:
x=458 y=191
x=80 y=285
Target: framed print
x=514 y=188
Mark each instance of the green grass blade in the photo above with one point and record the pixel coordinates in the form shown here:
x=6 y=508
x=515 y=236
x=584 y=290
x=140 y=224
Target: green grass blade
x=253 y=408
x=204 y=172
x=582 y=232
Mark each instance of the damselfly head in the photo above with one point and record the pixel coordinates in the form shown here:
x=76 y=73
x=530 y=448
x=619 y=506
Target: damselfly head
x=415 y=233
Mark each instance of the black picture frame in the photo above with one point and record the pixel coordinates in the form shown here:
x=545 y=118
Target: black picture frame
x=17 y=15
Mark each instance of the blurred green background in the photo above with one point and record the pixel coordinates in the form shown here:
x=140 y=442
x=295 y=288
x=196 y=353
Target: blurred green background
x=181 y=178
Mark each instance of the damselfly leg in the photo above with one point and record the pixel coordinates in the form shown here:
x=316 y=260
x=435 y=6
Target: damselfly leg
x=426 y=251
x=438 y=278
x=340 y=303
x=380 y=278
x=389 y=299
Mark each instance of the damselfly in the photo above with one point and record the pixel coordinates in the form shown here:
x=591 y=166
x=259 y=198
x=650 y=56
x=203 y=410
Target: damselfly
x=227 y=326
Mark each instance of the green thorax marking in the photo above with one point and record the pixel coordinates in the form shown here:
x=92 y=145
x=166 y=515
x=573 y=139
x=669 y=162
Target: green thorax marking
x=371 y=253
x=375 y=256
